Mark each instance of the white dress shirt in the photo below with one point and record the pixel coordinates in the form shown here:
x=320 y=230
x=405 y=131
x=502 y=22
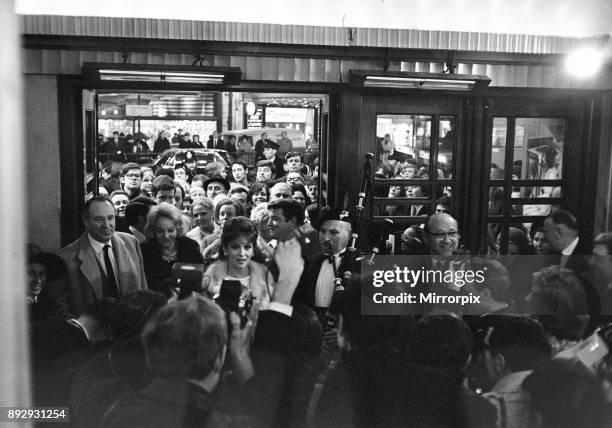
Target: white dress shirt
x=98 y=248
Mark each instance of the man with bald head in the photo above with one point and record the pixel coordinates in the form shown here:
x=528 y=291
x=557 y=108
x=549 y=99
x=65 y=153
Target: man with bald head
x=442 y=236
x=280 y=191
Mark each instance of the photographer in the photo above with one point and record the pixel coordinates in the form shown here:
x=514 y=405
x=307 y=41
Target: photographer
x=185 y=346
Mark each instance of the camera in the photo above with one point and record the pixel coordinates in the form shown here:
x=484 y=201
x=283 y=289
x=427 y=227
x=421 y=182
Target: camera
x=232 y=299
x=186 y=279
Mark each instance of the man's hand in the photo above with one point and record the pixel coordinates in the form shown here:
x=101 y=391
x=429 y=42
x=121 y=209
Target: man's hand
x=213 y=249
x=239 y=348
x=288 y=258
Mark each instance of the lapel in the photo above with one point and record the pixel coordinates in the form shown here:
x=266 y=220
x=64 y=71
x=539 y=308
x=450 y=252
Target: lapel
x=89 y=265
x=122 y=257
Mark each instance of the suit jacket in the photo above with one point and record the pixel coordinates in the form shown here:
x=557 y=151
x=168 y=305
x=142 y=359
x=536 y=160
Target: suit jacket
x=305 y=291
x=84 y=272
x=279 y=167
x=164 y=403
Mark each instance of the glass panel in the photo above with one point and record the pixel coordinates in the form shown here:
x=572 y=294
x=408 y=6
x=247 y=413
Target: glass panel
x=538 y=149
x=443 y=199
x=496 y=201
x=534 y=193
x=498 y=147
x=494 y=230
x=402 y=146
x=446 y=143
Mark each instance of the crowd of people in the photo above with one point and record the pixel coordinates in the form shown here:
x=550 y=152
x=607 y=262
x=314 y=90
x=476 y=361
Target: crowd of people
x=197 y=298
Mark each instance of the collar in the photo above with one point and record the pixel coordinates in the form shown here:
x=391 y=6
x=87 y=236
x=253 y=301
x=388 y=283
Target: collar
x=336 y=255
x=77 y=324
x=511 y=382
x=137 y=233
x=569 y=250
x=97 y=245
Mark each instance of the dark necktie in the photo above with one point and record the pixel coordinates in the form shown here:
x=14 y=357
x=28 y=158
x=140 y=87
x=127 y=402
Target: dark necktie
x=110 y=285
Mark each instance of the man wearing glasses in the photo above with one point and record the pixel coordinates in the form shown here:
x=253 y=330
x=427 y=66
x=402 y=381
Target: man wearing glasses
x=294 y=178
x=442 y=236
x=442 y=232
x=131 y=178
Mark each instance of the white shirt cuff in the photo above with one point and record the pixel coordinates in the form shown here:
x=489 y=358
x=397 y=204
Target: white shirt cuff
x=283 y=308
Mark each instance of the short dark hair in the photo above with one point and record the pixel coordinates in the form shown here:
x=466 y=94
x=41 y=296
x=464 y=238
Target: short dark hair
x=163 y=182
x=238 y=226
x=129 y=166
x=301 y=188
x=294 y=154
x=241 y=163
x=291 y=209
x=521 y=340
x=99 y=198
x=256 y=187
x=135 y=209
x=186 y=338
x=239 y=189
x=443 y=341
x=228 y=201
x=564 y=217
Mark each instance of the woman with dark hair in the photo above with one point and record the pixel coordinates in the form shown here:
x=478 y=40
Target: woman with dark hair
x=258 y=194
x=166 y=245
x=146 y=183
x=299 y=194
x=225 y=210
x=238 y=242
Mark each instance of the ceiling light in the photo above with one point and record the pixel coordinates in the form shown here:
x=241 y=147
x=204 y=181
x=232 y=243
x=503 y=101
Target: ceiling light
x=415 y=80
x=163 y=74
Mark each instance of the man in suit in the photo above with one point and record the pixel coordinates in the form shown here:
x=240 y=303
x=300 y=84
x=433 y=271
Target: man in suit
x=102 y=262
x=269 y=152
x=259 y=146
x=561 y=229
x=316 y=288
x=215 y=142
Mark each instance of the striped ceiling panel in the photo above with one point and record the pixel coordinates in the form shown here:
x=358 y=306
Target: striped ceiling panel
x=299 y=34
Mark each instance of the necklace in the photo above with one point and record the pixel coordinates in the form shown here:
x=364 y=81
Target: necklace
x=230 y=272
x=169 y=254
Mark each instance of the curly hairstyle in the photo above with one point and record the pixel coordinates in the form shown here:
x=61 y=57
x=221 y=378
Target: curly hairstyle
x=163 y=210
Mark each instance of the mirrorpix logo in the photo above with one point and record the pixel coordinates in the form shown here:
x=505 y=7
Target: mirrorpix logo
x=410 y=283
